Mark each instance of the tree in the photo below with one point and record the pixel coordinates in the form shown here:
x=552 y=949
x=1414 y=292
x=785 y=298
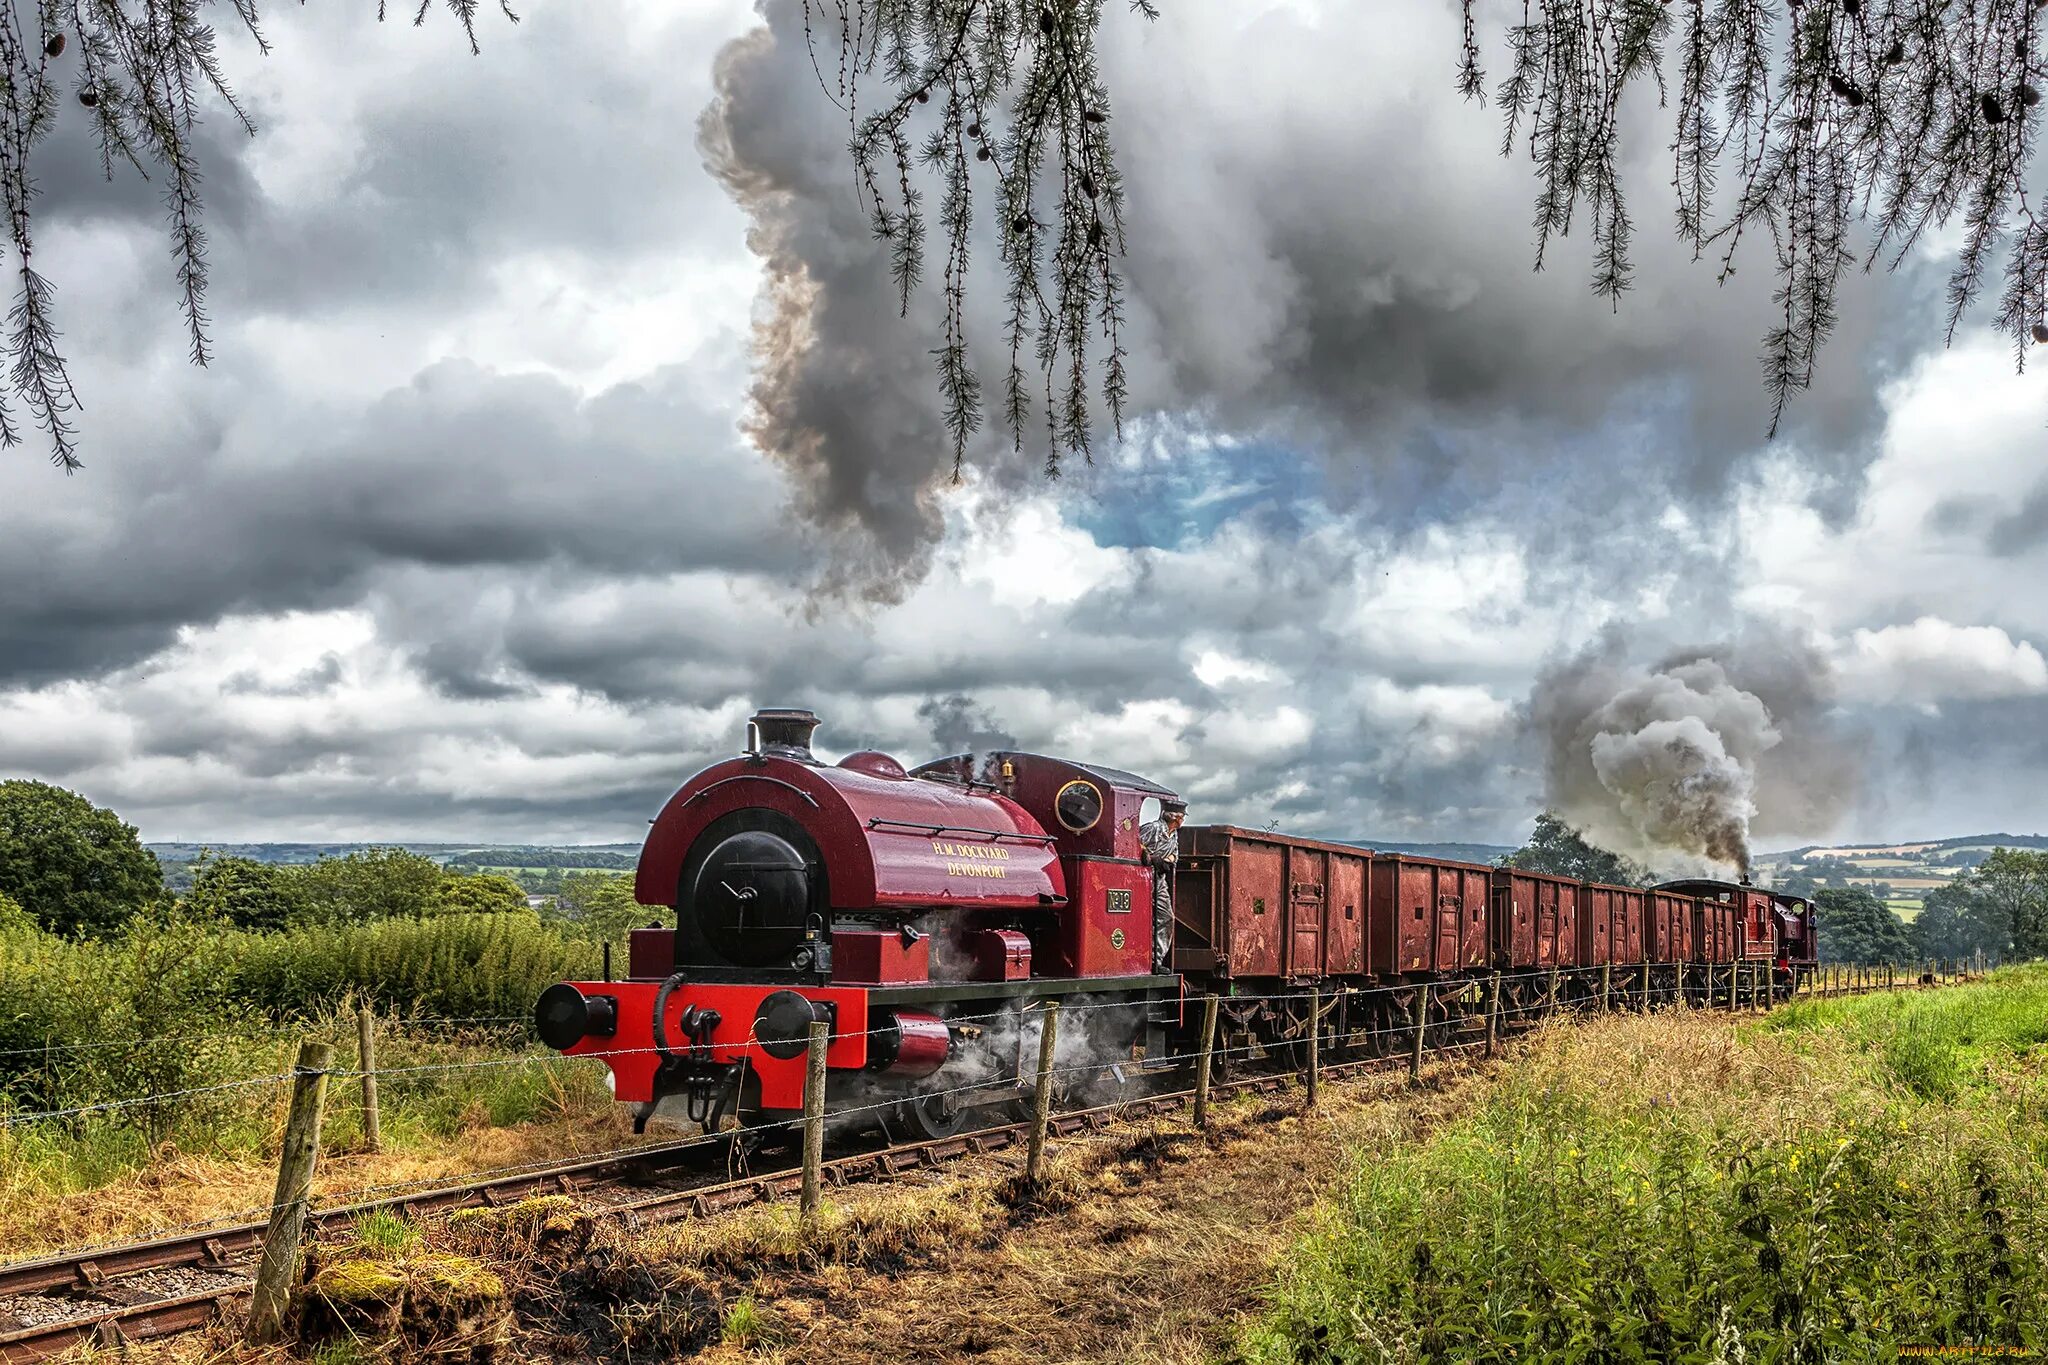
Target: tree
x=1856 y=926
x=600 y=906
x=246 y=893
x=1560 y=850
x=482 y=893
x=1959 y=920
x=73 y=866
x=2014 y=883
x=1899 y=115
x=372 y=884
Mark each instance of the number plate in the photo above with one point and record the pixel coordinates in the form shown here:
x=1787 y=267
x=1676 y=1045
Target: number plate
x=1117 y=902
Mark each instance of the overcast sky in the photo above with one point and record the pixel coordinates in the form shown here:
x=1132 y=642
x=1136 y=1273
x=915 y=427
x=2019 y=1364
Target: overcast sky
x=463 y=535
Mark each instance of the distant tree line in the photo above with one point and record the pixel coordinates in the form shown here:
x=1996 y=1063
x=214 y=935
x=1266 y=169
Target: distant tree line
x=1999 y=908
x=563 y=858
x=79 y=871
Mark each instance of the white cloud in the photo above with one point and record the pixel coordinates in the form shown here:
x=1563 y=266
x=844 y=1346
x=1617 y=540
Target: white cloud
x=1933 y=661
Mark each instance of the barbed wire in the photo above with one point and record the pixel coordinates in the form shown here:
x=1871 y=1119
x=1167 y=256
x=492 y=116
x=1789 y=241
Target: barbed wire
x=365 y=1196
x=1342 y=992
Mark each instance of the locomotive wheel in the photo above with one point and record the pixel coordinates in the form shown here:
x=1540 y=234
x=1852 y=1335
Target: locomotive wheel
x=929 y=1116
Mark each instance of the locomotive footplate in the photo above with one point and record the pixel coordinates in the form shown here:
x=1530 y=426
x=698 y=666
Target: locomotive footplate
x=710 y=1090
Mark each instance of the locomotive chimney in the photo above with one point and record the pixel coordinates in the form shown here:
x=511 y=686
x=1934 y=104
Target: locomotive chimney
x=784 y=732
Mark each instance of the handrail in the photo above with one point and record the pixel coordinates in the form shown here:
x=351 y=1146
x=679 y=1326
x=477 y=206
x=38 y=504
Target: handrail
x=919 y=827
x=751 y=777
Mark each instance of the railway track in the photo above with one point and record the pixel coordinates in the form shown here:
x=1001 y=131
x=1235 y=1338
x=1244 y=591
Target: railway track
x=111 y=1297
x=137 y=1292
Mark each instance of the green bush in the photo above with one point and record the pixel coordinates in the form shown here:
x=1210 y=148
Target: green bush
x=450 y=966
x=1646 y=1192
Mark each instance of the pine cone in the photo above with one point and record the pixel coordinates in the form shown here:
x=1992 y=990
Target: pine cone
x=1088 y=184
x=1994 y=112
x=1021 y=223
x=981 y=153
x=974 y=130
x=1896 y=53
x=55 y=47
x=89 y=98
x=923 y=97
x=2041 y=332
x=1095 y=116
x=2029 y=96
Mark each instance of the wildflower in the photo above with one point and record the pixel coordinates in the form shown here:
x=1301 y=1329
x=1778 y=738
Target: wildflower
x=1795 y=1161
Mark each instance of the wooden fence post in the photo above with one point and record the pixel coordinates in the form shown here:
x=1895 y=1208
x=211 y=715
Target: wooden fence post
x=279 y=1270
x=1315 y=1034
x=1606 y=986
x=1646 y=986
x=814 y=1118
x=1492 y=1013
x=1421 y=1026
x=366 y=1062
x=1734 y=970
x=1041 y=1098
x=1550 y=1005
x=1208 y=1048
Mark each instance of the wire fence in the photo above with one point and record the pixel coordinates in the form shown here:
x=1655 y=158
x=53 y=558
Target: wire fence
x=1617 y=982
x=1493 y=989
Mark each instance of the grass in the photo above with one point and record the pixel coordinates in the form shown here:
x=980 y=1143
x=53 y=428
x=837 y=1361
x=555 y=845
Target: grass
x=1849 y=1177
x=100 y=1177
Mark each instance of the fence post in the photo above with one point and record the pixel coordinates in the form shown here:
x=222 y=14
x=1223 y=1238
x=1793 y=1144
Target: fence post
x=1550 y=1006
x=366 y=1062
x=1734 y=970
x=1646 y=986
x=1606 y=985
x=279 y=1269
x=1421 y=1025
x=1209 y=1004
x=1492 y=1012
x=1315 y=1034
x=814 y=1117
x=1041 y=1098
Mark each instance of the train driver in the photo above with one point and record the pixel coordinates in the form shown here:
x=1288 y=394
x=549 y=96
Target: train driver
x=1160 y=840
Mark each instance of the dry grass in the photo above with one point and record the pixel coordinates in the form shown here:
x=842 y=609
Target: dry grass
x=179 y=1189
x=1149 y=1242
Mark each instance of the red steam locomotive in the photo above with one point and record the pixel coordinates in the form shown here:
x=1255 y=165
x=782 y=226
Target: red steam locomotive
x=919 y=912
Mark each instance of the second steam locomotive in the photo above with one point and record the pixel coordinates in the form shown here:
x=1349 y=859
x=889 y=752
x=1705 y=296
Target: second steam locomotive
x=921 y=912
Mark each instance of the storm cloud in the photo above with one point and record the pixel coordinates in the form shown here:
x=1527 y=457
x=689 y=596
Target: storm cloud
x=1340 y=276
x=499 y=509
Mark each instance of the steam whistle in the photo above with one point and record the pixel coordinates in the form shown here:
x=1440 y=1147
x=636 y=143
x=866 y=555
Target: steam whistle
x=1009 y=782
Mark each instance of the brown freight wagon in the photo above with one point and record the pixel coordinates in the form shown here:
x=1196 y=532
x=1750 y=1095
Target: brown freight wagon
x=1671 y=919
x=1248 y=903
x=1611 y=929
x=1429 y=914
x=1535 y=915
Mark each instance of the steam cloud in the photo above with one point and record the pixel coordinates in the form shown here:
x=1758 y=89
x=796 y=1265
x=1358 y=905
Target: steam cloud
x=1305 y=270
x=1695 y=756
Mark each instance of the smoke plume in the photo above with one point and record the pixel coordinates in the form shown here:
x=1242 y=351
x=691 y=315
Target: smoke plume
x=1308 y=267
x=1688 y=760
x=959 y=726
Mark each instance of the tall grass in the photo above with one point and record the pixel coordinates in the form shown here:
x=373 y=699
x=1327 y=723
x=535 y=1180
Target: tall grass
x=174 y=1007
x=1851 y=1177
